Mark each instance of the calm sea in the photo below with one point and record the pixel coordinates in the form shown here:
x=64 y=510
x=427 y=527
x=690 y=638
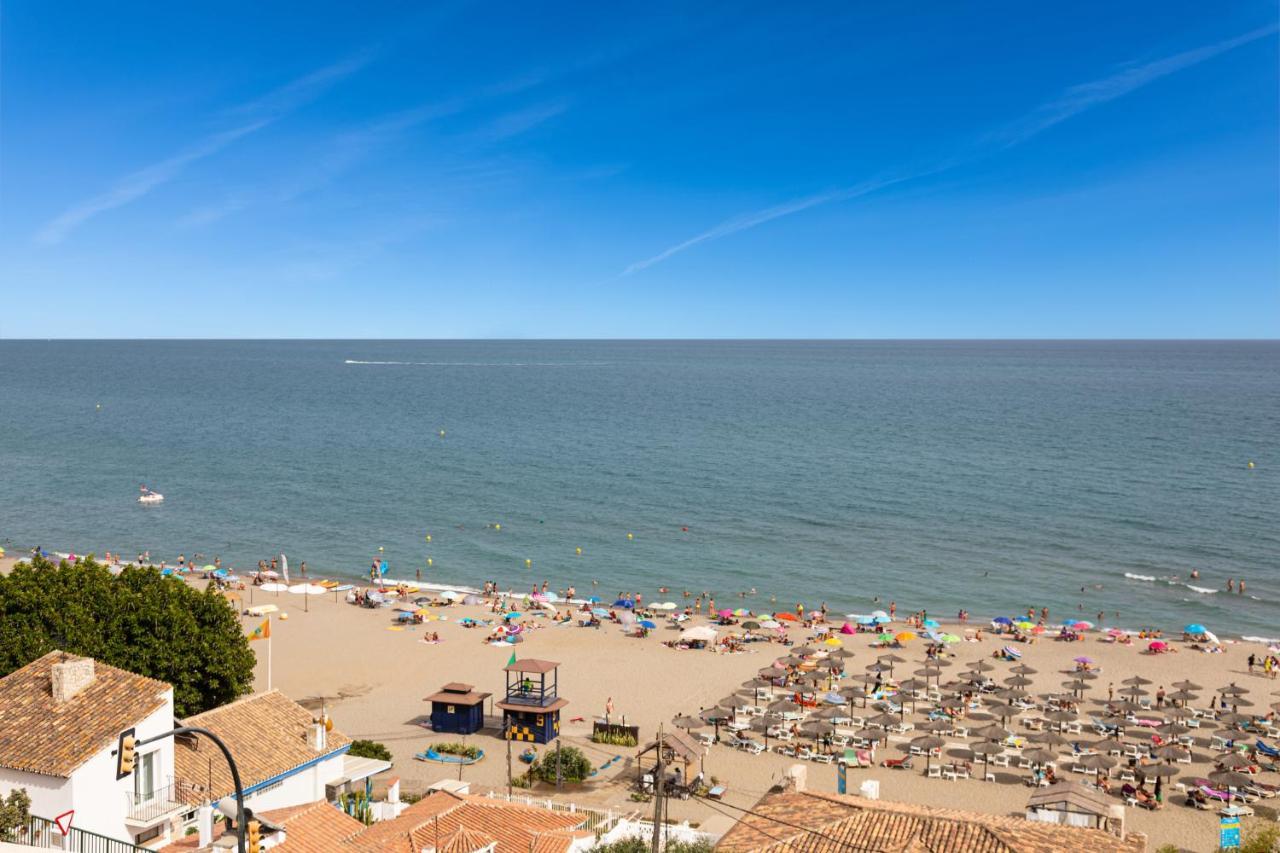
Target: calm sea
x=992 y=476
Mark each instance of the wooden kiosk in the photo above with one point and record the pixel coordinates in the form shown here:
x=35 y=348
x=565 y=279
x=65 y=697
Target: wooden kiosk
x=457 y=709
x=531 y=706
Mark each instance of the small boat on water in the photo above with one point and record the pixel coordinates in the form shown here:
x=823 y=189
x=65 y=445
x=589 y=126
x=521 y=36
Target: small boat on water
x=149 y=497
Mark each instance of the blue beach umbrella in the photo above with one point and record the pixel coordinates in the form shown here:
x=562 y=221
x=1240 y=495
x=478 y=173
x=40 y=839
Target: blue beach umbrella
x=1195 y=628
x=880 y=620
x=645 y=623
x=834 y=699
x=622 y=602
x=595 y=599
x=514 y=614
x=933 y=635
x=1002 y=620
x=866 y=620
x=930 y=623
x=599 y=611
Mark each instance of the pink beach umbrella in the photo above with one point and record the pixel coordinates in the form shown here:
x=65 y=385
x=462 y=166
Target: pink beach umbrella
x=725 y=614
x=1083 y=659
x=846 y=628
x=1157 y=646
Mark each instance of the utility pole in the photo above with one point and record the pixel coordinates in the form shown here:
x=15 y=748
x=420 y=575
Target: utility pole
x=656 y=844
x=559 y=781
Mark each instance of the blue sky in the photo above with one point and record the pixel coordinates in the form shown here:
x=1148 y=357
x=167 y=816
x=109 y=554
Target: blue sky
x=647 y=170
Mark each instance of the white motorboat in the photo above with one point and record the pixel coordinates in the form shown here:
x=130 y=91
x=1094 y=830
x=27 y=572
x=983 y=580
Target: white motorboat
x=150 y=498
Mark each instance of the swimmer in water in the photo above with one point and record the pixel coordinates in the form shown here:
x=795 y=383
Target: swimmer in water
x=1231 y=585
x=1195 y=574
x=1241 y=587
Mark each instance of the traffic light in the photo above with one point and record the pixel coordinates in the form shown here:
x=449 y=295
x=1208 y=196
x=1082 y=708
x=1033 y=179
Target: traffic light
x=126 y=753
x=253 y=837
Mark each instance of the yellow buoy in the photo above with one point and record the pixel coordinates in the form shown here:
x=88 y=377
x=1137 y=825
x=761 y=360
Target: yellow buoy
x=631 y=536
x=1250 y=463
x=428 y=537
x=528 y=562
x=429 y=562
x=579 y=551
x=497 y=527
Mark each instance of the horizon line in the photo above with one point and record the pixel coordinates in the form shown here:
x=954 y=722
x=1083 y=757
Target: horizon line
x=650 y=340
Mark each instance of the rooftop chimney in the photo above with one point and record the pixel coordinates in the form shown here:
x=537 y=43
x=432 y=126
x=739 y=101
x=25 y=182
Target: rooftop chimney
x=317 y=737
x=70 y=677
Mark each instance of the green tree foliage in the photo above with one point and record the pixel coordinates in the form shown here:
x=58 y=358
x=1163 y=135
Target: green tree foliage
x=1261 y=839
x=140 y=621
x=369 y=749
x=15 y=809
x=574 y=766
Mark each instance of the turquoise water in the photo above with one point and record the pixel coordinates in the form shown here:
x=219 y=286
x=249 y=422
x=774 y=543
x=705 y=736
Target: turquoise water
x=991 y=476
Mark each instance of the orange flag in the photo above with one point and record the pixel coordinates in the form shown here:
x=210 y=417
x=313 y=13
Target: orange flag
x=262 y=632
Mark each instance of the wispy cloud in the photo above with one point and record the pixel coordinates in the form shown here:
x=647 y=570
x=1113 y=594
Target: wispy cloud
x=259 y=113
x=1127 y=79
x=1074 y=101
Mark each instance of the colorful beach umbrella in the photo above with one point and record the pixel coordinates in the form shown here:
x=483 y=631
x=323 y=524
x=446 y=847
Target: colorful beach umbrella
x=1194 y=628
x=930 y=623
x=1002 y=620
x=1081 y=625
x=905 y=636
x=832 y=641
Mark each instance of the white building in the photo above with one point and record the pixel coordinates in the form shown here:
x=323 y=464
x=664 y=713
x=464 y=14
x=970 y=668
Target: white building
x=60 y=723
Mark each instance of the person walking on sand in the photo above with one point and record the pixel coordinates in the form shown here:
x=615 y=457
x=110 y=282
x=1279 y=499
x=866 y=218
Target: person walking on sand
x=1251 y=661
x=1160 y=697
x=608 y=710
x=893 y=609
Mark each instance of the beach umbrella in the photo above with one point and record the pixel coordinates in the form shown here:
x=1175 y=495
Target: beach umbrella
x=1039 y=756
x=513 y=615
x=1081 y=625
x=1194 y=628
x=1232 y=690
x=1233 y=719
x=992 y=732
x=986 y=750
x=935 y=726
x=950 y=639
x=879 y=614
x=891 y=658
x=817 y=728
x=928 y=672
x=699 y=633
x=1024 y=625
x=1076 y=686
x=1087 y=675
x=866 y=620
x=1004 y=712
x=1011 y=693
x=1111 y=744
x=877 y=733
x=905 y=636
x=1182 y=696
x=1135 y=691
x=1157 y=645
x=952 y=703
x=1002 y=620
x=751 y=625
x=645 y=623
x=1231 y=778
x=1018 y=681
x=832 y=711
x=832 y=641
x=783 y=706
x=1083 y=659
x=1098 y=762
x=878 y=667
x=1023 y=669
x=981 y=666
x=784 y=616
x=834 y=699
x=687 y=723
x=846 y=628
x=1171 y=751
x=883 y=720
x=1173 y=729
x=840 y=654
x=769 y=624
x=1187 y=685
x=1181 y=713
x=1233 y=761
x=1157 y=770
x=930 y=623
x=1060 y=716
x=1048 y=738
x=928 y=743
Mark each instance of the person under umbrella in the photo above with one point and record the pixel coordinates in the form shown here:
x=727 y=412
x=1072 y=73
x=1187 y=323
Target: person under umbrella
x=1160 y=772
x=1061 y=718
x=714 y=716
x=1109 y=745
x=819 y=730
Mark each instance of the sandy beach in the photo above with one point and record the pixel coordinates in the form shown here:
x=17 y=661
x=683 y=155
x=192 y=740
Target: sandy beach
x=372 y=674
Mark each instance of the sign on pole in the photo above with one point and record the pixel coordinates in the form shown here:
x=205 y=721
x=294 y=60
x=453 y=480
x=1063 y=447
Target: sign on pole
x=841 y=777
x=63 y=821
x=1229 y=831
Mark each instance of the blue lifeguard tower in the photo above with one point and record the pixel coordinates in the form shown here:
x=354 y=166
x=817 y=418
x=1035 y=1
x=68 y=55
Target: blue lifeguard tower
x=531 y=707
x=457 y=709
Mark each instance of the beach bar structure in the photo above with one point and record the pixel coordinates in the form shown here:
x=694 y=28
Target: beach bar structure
x=531 y=706
x=457 y=709
x=681 y=759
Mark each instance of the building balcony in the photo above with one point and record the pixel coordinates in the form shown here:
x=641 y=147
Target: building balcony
x=150 y=809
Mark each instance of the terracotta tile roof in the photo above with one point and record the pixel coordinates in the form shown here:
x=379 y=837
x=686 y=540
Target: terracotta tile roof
x=314 y=828
x=40 y=735
x=516 y=828
x=465 y=841
x=817 y=823
x=267 y=734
